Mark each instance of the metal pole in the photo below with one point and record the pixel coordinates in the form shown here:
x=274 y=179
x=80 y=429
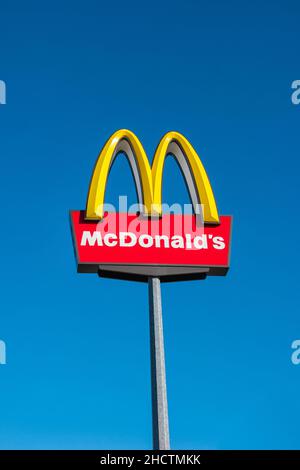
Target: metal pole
x=160 y=420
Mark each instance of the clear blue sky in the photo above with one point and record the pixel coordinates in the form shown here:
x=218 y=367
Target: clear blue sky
x=77 y=373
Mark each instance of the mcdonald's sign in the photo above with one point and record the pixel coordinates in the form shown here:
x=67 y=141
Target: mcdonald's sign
x=150 y=242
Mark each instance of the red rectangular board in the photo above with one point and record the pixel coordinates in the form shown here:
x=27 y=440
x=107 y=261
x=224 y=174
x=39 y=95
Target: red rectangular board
x=172 y=240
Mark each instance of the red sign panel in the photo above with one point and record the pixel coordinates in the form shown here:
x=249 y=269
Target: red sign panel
x=128 y=240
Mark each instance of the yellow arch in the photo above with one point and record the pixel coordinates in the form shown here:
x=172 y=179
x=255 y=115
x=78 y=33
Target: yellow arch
x=150 y=181
x=95 y=200
x=198 y=175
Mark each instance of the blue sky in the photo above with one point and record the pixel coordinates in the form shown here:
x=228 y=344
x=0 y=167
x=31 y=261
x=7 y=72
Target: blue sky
x=77 y=372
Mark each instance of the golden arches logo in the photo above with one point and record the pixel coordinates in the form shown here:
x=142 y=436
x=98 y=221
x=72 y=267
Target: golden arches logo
x=148 y=179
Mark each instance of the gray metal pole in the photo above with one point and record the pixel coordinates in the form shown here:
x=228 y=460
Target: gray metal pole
x=160 y=420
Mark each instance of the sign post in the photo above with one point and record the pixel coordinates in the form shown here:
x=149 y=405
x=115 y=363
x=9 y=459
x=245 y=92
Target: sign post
x=160 y=419
x=150 y=245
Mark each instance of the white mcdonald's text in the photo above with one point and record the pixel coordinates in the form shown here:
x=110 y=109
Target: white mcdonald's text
x=130 y=239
